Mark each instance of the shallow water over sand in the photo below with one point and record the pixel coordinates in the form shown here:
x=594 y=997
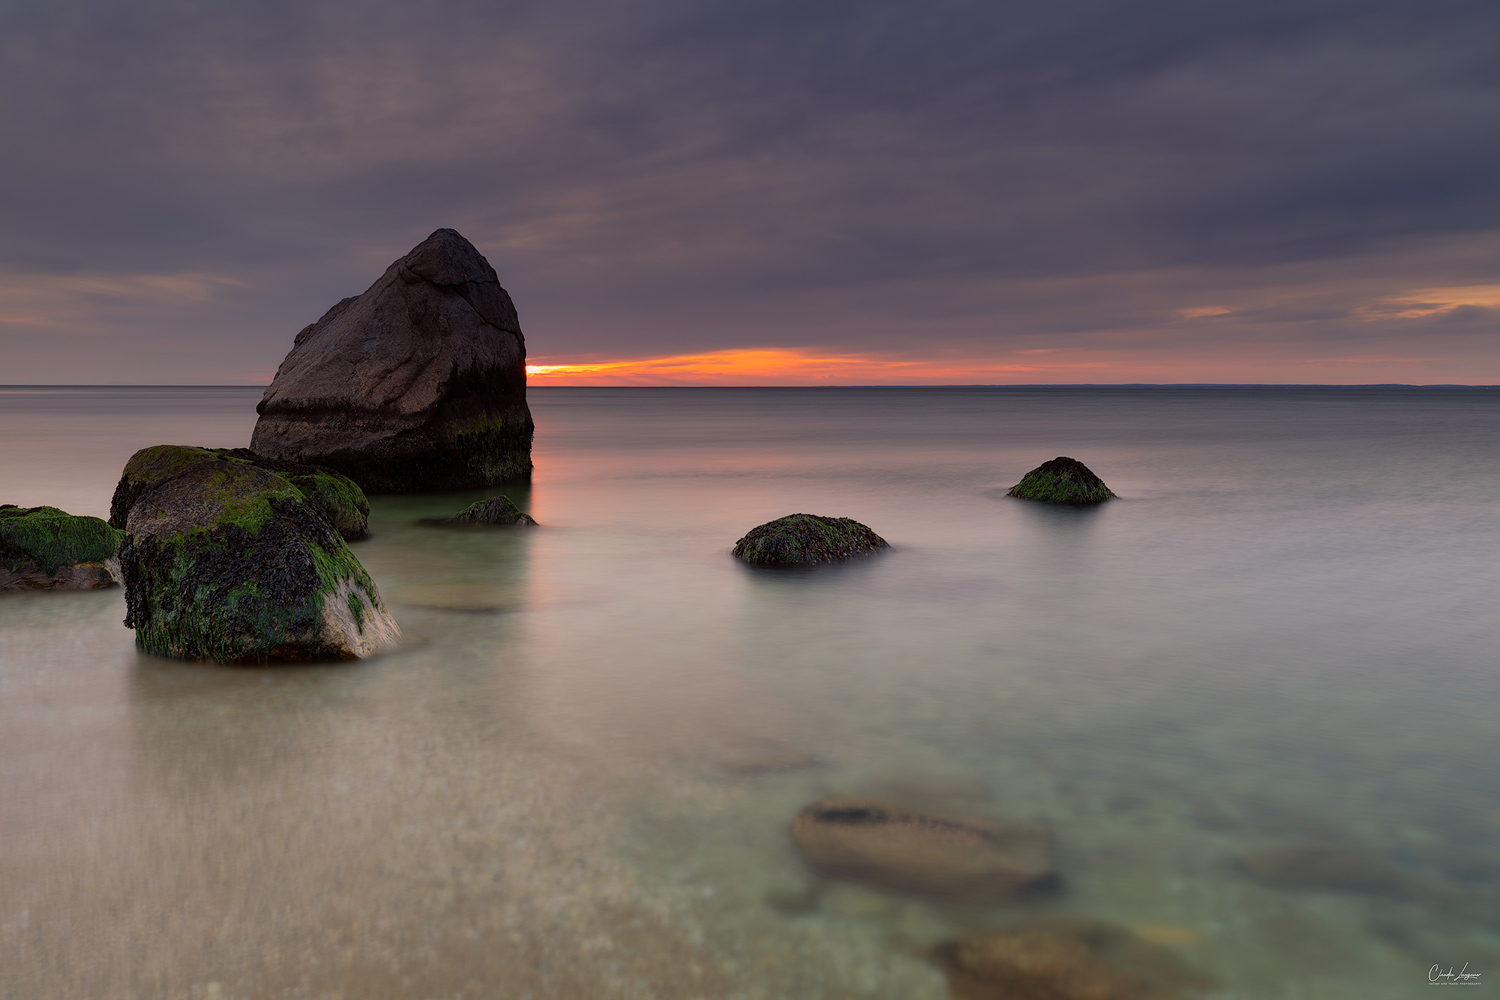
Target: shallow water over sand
x=577 y=778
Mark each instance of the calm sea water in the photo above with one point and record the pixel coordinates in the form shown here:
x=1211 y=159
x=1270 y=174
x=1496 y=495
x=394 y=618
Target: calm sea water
x=577 y=778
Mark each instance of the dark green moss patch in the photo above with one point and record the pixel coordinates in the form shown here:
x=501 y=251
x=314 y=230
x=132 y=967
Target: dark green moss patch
x=806 y=540
x=44 y=539
x=334 y=495
x=499 y=510
x=1064 y=481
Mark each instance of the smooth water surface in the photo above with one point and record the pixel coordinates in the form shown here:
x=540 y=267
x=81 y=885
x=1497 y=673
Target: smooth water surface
x=577 y=778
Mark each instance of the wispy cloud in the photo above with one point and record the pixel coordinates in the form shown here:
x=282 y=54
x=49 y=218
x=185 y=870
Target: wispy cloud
x=1420 y=303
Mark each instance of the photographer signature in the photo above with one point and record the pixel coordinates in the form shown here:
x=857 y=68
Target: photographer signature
x=1437 y=977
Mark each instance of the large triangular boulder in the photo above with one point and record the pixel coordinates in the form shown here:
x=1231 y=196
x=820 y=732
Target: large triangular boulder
x=418 y=384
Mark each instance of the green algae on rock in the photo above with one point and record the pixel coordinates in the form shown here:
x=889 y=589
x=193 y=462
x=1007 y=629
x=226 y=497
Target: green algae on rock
x=43 y=548
x=1062 y=481
x=230 y=562
x=806 y=540
x=333 y=494
x=499 y=510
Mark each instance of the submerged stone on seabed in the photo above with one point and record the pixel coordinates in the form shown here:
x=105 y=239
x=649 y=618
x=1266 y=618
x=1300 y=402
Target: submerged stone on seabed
x=334 y=495
x=499 y=510
x=43 y=548
x=1065 y=959
x=1062 y=481
x=806 y=540
x=229 y=562
x=887 y=845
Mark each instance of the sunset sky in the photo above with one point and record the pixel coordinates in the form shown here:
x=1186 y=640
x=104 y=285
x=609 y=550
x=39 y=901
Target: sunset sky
x=860 y=192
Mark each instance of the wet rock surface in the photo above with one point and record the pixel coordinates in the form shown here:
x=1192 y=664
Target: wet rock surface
x=334 y=495
x=1318 y=867
x=43 y=548
x=892 y=847
x=1064 y=481
x=418 y=384
x=228 y=562
x=799 y=540
x=1064 y=959
x=500 y=511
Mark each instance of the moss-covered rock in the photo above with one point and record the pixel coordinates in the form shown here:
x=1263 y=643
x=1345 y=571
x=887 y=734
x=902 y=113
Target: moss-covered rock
x=230 y=562
x=333 y=494
x=1062 y=480
x=43 y=548
x=806 y=540
x=496 y=510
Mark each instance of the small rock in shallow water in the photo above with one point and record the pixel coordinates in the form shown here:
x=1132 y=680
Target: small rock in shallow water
x=43 y=548
x=1318 y=866
x=806 y=540
x=1062 y=481
x=496 y=510
x=887 y=845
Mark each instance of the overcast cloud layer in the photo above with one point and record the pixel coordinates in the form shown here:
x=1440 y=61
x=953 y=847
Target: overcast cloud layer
x=1101 y=190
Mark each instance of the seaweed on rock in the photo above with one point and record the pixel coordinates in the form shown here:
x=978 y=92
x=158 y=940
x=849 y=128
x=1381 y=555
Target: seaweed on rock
x=498 y=510
x=47 y=548
x=229 y=562
x=806 y=540
x=1062 y=481
x=332 y=493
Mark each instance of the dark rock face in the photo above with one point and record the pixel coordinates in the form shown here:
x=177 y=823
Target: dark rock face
x=1313 y=867
x=884 y=844
x=418 y=384
x=43 y=548
x=1062 y=480
x=226 y=561
x=806 y=540
x=335 y=496
x=495 y=510
x=1064 y=959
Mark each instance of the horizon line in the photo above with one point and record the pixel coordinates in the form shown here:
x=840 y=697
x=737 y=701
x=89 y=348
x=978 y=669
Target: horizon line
x=873 y=385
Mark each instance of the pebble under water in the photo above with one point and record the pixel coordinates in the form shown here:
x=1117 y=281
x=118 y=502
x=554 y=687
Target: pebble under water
x=1250 y=700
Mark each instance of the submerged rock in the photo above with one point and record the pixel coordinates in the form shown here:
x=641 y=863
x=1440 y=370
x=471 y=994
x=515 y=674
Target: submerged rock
x=43 y=548
x=496 y=510
x=417 y=384
x=867 y=840
x=1065 y=960
x=806 y=540
x=1312 y=867
x=1064 y=481
x=229 y=562
x=334 y=495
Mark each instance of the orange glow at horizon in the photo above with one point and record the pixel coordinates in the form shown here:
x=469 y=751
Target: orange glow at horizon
x=777 y=366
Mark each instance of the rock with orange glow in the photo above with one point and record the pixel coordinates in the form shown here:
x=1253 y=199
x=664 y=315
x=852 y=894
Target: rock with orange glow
x=418 y=384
